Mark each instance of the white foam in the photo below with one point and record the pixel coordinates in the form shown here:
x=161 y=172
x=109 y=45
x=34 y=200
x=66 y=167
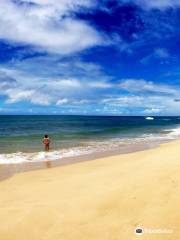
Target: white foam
x=175 y=132
x=20 y=157
x=99 y=146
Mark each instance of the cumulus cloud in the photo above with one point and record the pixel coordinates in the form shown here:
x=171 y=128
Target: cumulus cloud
x=124 y=101
x=71 y=84
x=98 y=84
x=141 y=85
x=65 y=101
x=32 y=96
x=18 y=95
x=143 y=105
x=50 y=81
x=152 y=111
x=145 y=97
x=47 y=25
x=55 y=79
x=62 y=101
x=64 y=83
x=40 y=88
x=58 y=78
x=6 y=81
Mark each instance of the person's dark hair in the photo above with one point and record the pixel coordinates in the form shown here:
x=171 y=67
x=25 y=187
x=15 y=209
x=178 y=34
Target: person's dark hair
x=46 y=136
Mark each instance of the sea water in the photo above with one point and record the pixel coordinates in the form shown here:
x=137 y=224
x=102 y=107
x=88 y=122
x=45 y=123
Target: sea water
x=21 y=136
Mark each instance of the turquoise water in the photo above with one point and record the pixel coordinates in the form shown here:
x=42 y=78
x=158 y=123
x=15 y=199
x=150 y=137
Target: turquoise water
x=24 y=133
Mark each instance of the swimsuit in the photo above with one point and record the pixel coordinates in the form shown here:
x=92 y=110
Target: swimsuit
x=46 y=141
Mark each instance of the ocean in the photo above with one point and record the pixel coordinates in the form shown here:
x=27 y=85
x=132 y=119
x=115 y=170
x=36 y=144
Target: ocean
x=21 y=136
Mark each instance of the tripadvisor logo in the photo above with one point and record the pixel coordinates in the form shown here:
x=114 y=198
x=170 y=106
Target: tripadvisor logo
x=139 y=231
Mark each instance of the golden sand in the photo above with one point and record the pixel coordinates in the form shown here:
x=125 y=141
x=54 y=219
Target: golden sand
x=104 y=199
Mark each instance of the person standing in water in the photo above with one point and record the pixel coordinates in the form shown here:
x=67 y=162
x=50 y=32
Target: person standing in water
x=46 y=142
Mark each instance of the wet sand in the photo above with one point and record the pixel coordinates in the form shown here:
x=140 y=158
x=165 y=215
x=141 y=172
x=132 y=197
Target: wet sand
x=102 y=199
x=8 y=170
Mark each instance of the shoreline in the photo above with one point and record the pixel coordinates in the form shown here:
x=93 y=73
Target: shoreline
x=105 y=199
x=8 y=170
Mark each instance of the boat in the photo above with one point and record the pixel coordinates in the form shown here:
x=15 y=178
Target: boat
x=149 y=118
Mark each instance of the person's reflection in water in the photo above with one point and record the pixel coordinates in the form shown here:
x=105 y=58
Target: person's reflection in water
x=48 y=164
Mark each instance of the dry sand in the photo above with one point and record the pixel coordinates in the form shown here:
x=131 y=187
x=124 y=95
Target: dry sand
x=104 y=199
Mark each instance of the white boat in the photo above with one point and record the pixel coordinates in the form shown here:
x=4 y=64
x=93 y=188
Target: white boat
x=149 y=118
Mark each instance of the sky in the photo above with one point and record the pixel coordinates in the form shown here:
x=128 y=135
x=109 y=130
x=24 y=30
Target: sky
x=90 y=57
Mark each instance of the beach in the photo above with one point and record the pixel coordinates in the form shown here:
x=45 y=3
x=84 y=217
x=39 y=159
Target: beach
x=89 y=120
x=107 y=199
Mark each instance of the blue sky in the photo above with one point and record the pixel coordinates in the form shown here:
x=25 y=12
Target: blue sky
x=90 y=57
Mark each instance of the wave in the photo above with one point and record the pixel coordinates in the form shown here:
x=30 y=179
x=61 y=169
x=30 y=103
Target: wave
x=20 y=157
x=174 y=132
x=90 y=147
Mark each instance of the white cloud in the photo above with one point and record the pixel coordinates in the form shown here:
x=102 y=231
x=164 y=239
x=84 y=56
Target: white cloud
x=62 y=101
x=6 y=81
x=100 y=85
x=55 y=79
x=50 y=82
x=18 y=95
x=140 y=85
x=152 y=111
x=64 y=83
x=62 y=5
x=82 y=101
x=65 y=101
x=72 y=85
x=124 y=101
x=47 y=26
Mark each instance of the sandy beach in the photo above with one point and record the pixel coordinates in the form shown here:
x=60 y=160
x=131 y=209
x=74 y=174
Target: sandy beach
x=103 y=199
